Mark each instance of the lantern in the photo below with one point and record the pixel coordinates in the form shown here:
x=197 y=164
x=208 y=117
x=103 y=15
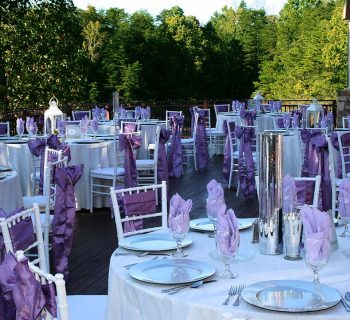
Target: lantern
x=314 y=114
x=52 y=116
x=258 y=99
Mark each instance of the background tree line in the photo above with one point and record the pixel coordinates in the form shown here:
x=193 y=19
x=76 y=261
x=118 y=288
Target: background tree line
x=49 y=47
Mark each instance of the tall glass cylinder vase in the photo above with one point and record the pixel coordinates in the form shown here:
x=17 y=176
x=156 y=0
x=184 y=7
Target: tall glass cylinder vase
x=270 y=191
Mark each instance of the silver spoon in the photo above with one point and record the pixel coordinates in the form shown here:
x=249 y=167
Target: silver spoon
x=192 y=285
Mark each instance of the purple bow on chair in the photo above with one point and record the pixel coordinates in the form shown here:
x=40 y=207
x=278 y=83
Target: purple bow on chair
x=316 y=161
x=37 y=148
x=335 y=144
x=227 y=149
x=248 y=117
x=175 y=156
x=64 y=216
x=245 y=160
x=129 y=144
x=202 y=154
x=163 y=173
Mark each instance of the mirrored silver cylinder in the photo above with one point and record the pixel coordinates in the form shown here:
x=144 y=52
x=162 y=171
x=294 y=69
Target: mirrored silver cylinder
x=270 y=192
x=292 y=227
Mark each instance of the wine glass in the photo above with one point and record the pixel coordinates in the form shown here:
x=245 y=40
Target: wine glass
x=345 y=222
x=179 y=232
x=316 y=255
x=20 y=129
x=94 y=127
x=225 y=254
x=212 y=215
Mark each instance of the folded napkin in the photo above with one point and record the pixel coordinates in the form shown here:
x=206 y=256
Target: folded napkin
x=29 y=123
x=344 y=199
x=20 y=126
x=289 y=193
x=318 y=233
x=227 y=233
x=295 y=120
x=215 y=196
x=94 y=124
x=179 y=214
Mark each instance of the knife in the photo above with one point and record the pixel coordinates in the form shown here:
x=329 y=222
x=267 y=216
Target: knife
x=186 y=285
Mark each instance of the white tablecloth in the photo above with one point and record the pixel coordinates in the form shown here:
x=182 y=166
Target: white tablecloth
x=92 y=155
x=133 y=300
x=10 y=193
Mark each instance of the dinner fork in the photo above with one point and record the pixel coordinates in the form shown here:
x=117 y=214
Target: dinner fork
x=239 y=291
x=231 y=292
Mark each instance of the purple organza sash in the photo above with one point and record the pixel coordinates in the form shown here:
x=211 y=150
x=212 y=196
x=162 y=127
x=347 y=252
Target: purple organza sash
x=37 y=148
x=335 y=143
x=129 y=144
x=3 y=129
x=248 y=117
x=175 y=155
x=22 y=233
x=129 y=127
x=245 y=160
x=192 y=111
x=202 y=154
x=227 y=150
x=138 y=204
x=316 y=161
x=163 y=173
x=64 y=216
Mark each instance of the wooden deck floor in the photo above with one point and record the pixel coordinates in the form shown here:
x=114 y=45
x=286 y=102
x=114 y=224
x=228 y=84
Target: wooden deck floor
x=95 y=235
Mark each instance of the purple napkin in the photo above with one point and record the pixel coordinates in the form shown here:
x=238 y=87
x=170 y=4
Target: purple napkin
x=84 y=125
x=318 y=233
x=344 y=199
x=96 y=112
x=19 y=126
x=29 y=123
x=227 y=233
x=295 y=120
x=215 y=191
x=179 y=214
x=61 y=127
x=94 y=124
x=137 y=112
x=289 y=193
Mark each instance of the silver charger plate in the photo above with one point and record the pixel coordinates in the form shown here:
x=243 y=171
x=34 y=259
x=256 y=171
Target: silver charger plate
x=171 y=271
x=152 y=242
x=290 y=296
x=204 y=224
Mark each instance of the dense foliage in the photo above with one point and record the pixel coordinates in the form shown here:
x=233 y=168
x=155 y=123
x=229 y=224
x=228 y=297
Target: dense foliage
x=49 y=47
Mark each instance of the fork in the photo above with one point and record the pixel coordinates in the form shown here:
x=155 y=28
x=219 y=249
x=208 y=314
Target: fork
x=239 y=291
x=131 y=254
x=231 y=292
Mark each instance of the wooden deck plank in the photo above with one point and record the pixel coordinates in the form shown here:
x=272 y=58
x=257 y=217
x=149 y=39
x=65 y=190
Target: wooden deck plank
x=95 y=234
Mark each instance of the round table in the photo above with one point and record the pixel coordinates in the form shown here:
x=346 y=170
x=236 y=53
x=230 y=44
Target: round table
x=133 y=300
x=11 y=193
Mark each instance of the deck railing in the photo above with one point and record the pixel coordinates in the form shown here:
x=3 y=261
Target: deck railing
x=158 y=111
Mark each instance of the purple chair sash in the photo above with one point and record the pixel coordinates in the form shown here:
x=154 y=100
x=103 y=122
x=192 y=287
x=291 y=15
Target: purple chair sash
x=335 y=143
x=227 y=150
x=129 y=144
x=3 y=128
x=245 y=160
x=138 y=204
x=202 y=154
x=64 y=216
x=22 y=233
x=37 y=148
x=248 y=117
x=175 y=155
x=163 y=173
x=316 y=161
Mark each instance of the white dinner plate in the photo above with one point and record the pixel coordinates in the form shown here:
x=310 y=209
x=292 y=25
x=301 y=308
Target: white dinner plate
x=171 y=271
x=204 y=224
x=290 y=296
x=152 y=242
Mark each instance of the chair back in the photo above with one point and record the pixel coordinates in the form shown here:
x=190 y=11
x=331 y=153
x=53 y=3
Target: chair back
x=46 y=278
x=232 y=138
x=221 y=108
x=316 y=183
x=344 y=151
x=117 y=198
x=20 y=233
x=168 y=118
x=5 y=129
x=129 y=127
x=80 y=114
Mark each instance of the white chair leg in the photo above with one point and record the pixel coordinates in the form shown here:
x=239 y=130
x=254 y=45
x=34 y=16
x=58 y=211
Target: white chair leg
x=91 y=195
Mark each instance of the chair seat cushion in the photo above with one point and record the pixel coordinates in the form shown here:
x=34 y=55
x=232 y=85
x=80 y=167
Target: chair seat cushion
x=187 y=140
x=87 y=307
x=142 y=163
x=107 y=171
x=28 y=202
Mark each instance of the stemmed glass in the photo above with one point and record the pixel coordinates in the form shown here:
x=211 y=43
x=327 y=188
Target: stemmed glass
x=20 y=129
x=286 y=122
x=315 y=258
x=222 y=239
x=212 y=215
x=33 y=130
x=345 y=223
x=179 y=232
x=94 y=127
